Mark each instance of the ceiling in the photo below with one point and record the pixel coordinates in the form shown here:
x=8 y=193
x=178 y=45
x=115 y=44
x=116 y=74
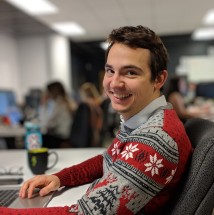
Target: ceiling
x=19 y=23
x=99 y=17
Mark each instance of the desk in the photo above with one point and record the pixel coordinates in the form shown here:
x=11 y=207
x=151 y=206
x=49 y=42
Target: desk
x=12 y=136
x=67 y=157
x=206 y=110
x=9 y=131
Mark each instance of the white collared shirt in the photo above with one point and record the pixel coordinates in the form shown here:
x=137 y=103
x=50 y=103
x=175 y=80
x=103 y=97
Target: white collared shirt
x=142 y=116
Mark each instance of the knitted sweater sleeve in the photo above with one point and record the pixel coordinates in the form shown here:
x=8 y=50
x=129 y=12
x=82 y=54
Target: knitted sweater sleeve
x=82 y=173
x=36 y=211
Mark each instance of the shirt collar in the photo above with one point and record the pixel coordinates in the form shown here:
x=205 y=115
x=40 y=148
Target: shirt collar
x=141 y=117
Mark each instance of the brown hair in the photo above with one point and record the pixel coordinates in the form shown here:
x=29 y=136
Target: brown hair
x=89 y=90
x=56 y=89
x=142 y=37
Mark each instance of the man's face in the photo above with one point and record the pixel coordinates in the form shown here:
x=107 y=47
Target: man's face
x=127 y=80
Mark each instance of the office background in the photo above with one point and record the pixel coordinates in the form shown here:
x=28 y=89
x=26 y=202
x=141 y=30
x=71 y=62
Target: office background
x=30 y=57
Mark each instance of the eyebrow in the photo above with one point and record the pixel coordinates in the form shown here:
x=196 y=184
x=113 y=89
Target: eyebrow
x=108 y=66
x=125 y=67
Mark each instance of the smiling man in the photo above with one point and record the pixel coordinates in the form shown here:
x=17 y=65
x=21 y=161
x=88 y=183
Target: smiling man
x=140 y=171
x=128 y=80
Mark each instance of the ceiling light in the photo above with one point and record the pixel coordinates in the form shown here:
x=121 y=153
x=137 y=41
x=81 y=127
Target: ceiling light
x=68 y=28
x=104 y=45
x=34 y=7
x=209 y=18
x=203 y=34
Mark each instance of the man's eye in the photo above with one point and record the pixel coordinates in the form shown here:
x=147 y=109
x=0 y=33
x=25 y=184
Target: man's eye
x=131 y=73
x=109 y=71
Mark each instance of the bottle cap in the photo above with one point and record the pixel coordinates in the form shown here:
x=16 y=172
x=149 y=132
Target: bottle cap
x=31 y=125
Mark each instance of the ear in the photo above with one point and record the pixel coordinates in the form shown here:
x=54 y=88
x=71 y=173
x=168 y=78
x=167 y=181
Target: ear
x=161 y=79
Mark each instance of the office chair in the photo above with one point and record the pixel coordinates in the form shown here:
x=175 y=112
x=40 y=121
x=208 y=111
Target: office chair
x=81 y=131
x=196 y=195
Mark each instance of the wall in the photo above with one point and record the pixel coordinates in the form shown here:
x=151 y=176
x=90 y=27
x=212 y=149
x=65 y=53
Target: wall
x=198 y=68
x=32 y=61
x=182 y=45
x=60 y=60
x=9 y=65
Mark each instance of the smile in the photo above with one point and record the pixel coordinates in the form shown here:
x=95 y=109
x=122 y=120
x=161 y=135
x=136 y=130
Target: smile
x=121 y=96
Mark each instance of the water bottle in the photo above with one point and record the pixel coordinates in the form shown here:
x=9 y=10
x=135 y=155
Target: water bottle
x=33 y=136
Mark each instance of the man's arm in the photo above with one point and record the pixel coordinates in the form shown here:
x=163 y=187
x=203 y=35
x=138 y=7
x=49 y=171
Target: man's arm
x=36 y=211
x=82 y=173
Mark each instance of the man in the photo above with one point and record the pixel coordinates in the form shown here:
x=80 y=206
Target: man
x=139 y=172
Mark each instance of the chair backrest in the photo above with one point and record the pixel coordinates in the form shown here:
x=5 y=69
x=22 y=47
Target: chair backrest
x=81 y=131
x=196 y=195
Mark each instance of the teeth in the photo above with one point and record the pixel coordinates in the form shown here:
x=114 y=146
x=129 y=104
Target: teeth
x=121 y=96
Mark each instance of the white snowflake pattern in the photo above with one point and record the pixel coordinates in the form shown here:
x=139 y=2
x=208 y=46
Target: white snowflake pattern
x=116 y=150
x=168 y=179
x=154 y=165
x=128 y=153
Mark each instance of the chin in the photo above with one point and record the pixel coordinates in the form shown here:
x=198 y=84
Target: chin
x=119 y=109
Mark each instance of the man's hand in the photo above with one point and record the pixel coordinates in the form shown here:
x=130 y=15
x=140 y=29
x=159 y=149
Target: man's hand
x=46 y=183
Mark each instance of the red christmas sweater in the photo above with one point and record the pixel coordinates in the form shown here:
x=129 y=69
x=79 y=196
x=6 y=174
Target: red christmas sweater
x=137 y=174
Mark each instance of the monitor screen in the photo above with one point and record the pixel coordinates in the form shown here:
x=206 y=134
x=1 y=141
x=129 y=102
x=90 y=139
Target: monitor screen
x=8 y=106
x=7 y=100
x=205 y=90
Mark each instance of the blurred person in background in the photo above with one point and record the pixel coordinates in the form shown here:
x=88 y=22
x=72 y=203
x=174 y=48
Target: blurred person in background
x=88 y=118
x=56 y=115
x=177 y=90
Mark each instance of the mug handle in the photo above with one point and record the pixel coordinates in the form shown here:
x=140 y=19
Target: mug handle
x=56 y=159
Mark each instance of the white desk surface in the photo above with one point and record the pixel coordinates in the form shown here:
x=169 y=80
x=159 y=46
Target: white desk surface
x=67 y=157
x=10 y=131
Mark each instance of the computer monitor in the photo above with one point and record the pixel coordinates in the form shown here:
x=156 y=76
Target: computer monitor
x=33 y=99
x=8 y=106
x=7 y=100
x=205 y=90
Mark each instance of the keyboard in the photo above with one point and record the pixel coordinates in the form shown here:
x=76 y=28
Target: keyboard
x=7 y=197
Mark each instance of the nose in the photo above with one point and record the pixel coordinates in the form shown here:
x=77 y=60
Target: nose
x=117 y=81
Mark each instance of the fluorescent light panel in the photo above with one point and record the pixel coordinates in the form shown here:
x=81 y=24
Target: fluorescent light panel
x=35 y=7
x=104 y=45
x=204 y=34
x=209 y=18
x=68 y=28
